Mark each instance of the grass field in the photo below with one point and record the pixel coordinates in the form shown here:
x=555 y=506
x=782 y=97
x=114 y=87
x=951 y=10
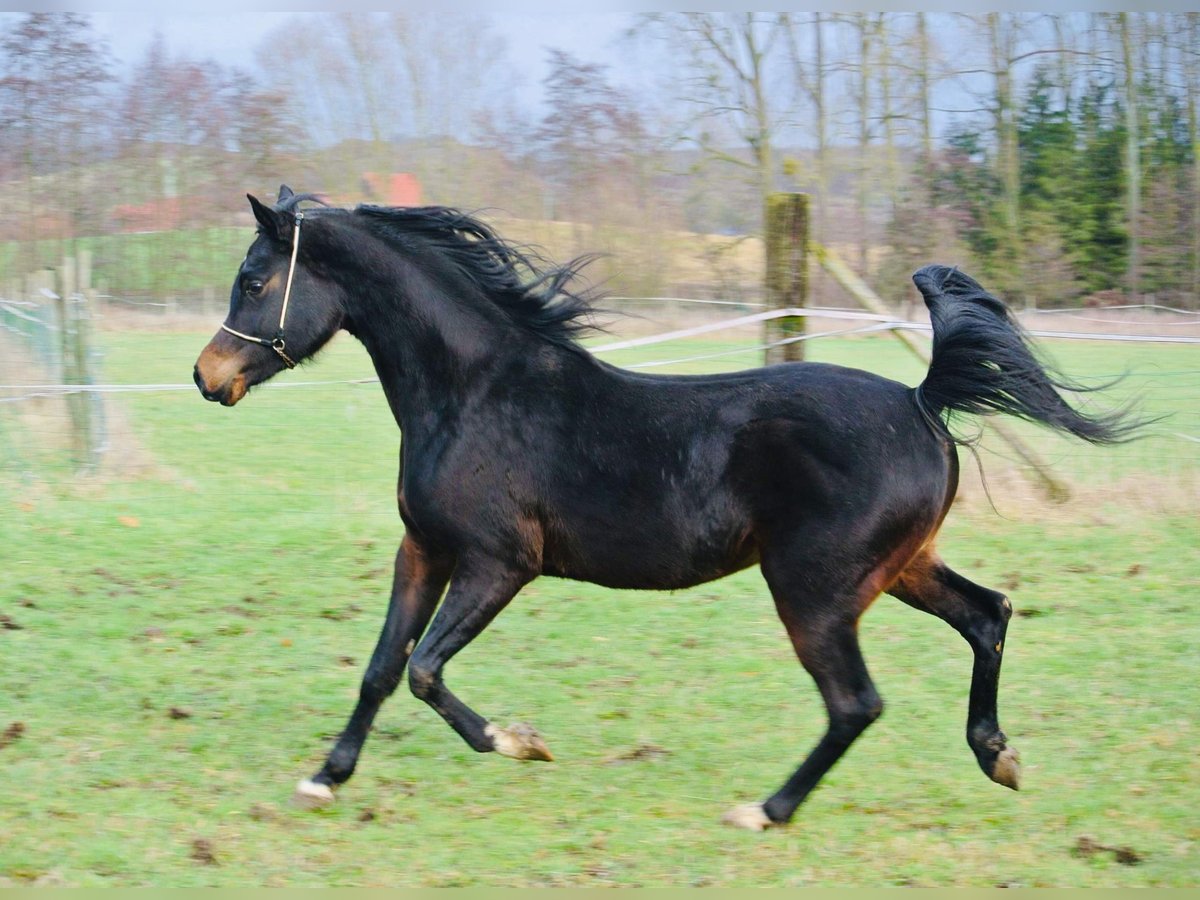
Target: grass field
x=183 y=635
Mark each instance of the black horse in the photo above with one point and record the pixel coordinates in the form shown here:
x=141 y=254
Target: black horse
x=523 y=455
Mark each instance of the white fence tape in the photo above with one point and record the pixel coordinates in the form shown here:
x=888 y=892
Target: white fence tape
x=877 y=323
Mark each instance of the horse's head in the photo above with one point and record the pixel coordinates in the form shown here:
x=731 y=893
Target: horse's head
x=280 y=313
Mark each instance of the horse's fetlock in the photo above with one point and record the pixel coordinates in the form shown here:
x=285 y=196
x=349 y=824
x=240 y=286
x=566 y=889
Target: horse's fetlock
x=339 y=766
x=987 y=738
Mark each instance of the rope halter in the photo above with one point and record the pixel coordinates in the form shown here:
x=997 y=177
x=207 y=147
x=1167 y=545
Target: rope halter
x=277 y=343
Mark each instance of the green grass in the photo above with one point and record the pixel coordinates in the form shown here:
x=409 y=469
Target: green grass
x=234 y=569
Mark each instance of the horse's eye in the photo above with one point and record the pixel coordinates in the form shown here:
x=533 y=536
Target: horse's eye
x=254 y=287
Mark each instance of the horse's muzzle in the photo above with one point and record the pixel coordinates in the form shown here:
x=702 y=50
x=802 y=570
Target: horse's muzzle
x=220 y=376
x=226 y=394
x=204 y=391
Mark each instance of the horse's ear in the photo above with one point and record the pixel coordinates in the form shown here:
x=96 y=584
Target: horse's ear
x=285 y=193
x=275 y=224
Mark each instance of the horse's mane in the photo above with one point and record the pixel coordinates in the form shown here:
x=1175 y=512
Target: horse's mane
x=532 y=292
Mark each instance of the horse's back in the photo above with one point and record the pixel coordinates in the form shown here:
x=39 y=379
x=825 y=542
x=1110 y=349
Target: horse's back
x=857 y=422
x=843 y=443
x=698 y=470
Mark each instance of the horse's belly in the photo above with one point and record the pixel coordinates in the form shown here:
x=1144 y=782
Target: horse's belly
x=645 y=560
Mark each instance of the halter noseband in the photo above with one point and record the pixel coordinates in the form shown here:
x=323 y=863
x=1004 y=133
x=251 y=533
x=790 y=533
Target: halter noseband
x=277 y=343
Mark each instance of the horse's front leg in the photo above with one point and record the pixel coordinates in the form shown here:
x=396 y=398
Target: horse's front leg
x=480 y=589
x=420 y=578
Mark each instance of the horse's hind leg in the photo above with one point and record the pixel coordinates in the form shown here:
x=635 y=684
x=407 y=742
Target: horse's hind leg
x=419 y=580
x=981 y=616
x=823 y=627
x=479 y=591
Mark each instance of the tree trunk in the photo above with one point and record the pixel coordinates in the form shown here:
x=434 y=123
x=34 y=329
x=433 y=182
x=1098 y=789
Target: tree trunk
x=1008 y=161
x=891 y=165
x=923 y=87
x=1133 y=165
x=864 y=140
x=1193 y=98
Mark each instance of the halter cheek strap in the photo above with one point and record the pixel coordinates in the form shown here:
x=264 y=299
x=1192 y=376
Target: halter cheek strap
x=277 y=343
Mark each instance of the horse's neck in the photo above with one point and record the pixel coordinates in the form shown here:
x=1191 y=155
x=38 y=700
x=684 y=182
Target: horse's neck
x=428 y=358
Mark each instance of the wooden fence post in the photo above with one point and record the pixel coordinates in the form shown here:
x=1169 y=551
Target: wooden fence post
x=73 y=317
x=786 y=243
x=92 y=419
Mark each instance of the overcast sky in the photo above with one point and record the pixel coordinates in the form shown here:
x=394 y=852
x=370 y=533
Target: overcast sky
x=232 y=38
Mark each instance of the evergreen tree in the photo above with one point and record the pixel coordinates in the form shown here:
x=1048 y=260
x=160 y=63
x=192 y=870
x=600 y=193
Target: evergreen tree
x=1048 y=176
x=1099 y=233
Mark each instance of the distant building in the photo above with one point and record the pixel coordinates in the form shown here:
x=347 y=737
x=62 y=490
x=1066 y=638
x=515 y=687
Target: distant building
x=164 y=214
x=396 y=189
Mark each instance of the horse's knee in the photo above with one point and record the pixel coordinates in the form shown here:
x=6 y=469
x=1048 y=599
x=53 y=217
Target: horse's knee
x=421 y=678
x=849 y=719
x=869 y=709
x=376 y=687
x=1006 y=607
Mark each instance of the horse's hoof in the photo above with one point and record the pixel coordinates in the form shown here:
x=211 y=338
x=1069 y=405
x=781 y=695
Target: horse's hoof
x=519 y=741
x=312 y=795
x=748 y=815
x=1007 y=768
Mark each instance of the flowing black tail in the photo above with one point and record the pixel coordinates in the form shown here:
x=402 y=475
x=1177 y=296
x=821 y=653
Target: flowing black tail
x=983 y=364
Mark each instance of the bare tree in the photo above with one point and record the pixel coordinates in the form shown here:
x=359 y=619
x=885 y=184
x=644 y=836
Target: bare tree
x=340 y=76
x=258 y=129
x=171 y=108
x=811 y=73
x=733 y=61
x=53 y=70
x=192 y=125
x=886 y=31
x=865 y=24
x=590 y=133
x=451 y=69
x=923 y=78
x=377 y=79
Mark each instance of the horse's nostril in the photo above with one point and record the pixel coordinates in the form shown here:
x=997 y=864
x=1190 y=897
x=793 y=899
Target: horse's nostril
x=205 y=392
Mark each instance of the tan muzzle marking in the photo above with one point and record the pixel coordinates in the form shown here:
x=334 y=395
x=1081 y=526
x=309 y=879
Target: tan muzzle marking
x=222 y=372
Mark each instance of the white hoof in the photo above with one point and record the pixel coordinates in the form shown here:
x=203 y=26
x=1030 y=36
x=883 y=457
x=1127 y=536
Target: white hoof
x=519 y=742
x=311 y=795
x=748 y=815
